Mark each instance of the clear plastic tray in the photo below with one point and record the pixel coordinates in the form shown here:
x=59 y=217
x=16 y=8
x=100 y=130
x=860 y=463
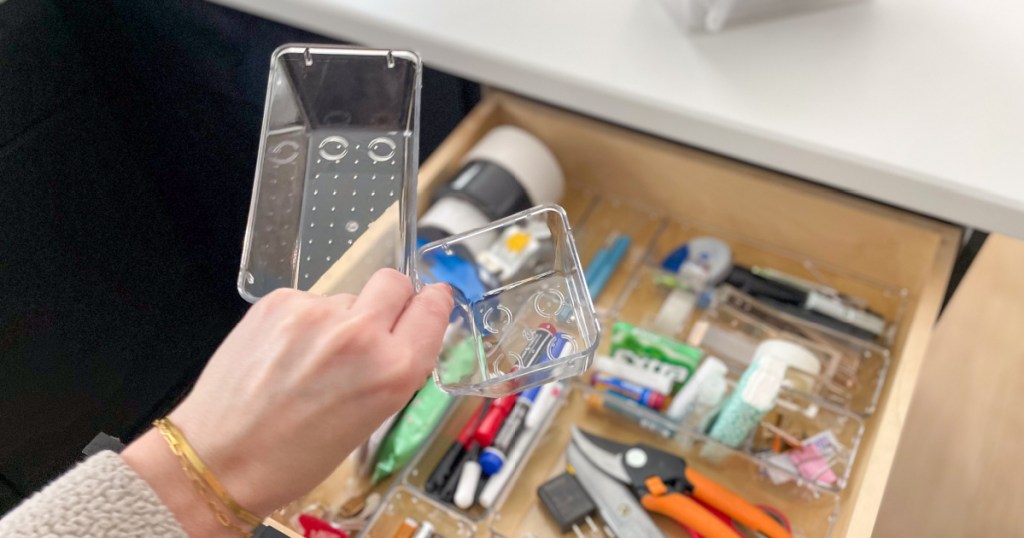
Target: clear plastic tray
x=811 y=510
x=852 y=373
x=336 y=172
x=430 y=454
x=640 y=301
x=404 y=502
x=605 y=221
x=517 y=300
x=409 y=498
x=853 y=369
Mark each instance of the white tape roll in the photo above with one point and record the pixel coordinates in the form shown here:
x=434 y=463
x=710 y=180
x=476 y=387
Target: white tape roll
x=713 y=255
x=525 y=157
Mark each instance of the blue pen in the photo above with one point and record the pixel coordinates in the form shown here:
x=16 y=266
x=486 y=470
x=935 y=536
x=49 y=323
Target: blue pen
x=602 y=273
x=595 y=263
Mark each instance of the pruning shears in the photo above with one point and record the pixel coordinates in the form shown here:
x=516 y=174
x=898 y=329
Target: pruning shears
x=666 y=485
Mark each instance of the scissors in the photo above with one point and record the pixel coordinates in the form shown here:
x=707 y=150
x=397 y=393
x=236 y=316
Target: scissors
x=666 y=485
x=615 y=502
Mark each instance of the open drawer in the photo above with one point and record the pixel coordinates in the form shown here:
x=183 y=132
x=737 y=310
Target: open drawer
x=617 y=171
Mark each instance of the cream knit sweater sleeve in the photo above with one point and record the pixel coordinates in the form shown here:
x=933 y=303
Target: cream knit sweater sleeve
x=101 y=497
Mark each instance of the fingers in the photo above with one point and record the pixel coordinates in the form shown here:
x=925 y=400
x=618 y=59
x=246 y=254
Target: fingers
x=425 y=318
x=384 y=296
x=342 y=301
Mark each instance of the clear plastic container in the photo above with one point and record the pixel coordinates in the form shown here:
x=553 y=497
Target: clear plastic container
x=422 y=467
x=852 y=370
x=335 y=184
x=605 y=221
x=525 y=300
x=403 y=503
x=811 y=510
x=730 y=324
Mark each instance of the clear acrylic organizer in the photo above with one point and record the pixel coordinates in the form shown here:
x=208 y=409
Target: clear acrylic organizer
x=403 y=502
x=335 y=186
x=431 y=453
x=528 y=306
x=852 y=370
x=810 y=509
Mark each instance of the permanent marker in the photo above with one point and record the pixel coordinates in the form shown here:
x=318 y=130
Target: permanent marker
x=498 y=480
x=543 y=400
x=493 y=420
x=449 y=462
x=542 y=404
x=482 y=436
x=494 y=456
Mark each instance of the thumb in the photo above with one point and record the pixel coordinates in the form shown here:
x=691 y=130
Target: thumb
x=425 y=318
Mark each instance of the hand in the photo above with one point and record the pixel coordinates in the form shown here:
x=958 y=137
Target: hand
x=300 y=383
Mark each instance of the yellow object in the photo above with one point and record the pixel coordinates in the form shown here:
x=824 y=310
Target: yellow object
x=517 y=242
x=203 y=479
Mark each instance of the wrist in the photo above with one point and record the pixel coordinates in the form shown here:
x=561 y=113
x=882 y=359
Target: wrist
x=151 y=458
x=240 y=473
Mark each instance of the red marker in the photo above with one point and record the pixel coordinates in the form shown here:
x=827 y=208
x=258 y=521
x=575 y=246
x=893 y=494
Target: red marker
x=493 y=420
x=466 y=435
x=482 y=437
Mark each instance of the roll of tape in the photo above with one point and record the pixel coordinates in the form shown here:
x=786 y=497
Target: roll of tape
x=525 y=157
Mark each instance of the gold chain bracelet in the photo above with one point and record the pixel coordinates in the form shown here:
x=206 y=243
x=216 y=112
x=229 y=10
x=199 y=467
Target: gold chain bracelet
x=204 y=480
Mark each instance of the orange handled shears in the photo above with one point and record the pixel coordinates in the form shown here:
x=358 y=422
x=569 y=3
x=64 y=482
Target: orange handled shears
x=666 y=485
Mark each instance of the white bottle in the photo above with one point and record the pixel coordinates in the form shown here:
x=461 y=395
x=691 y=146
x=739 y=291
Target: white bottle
x=705 y=407
x=710 y=370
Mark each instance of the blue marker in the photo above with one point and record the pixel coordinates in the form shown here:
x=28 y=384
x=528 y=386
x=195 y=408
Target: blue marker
x=494 y=456
x=596 y=262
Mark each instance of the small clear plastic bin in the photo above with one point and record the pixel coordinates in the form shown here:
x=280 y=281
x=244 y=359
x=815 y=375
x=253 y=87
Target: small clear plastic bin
x=335 y=186
x=811 y=510
x=402 y=503
x=524 y=300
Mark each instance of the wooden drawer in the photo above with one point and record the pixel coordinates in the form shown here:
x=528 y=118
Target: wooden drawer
x=888 y=247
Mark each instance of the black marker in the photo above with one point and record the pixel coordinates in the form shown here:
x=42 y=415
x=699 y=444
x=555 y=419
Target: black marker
x=453 y=458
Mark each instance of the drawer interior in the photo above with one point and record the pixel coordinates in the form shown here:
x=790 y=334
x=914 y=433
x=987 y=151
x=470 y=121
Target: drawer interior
x=661 y=193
